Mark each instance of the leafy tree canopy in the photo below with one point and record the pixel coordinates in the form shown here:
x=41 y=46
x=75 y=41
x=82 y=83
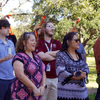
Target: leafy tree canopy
x=63 y=13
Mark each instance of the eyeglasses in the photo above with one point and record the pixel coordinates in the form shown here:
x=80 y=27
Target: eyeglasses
x=51 y=27
x=76 y=40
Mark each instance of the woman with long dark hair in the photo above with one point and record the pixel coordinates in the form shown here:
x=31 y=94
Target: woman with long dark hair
x=71 y=69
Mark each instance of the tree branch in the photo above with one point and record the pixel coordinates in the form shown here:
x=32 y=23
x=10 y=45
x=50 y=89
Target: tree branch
x=5 y=3
x=91 y=35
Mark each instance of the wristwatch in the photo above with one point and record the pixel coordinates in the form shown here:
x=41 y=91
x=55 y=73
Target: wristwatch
x=45 y=86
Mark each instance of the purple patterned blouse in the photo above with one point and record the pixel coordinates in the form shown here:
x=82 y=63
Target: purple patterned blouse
x=33 y=69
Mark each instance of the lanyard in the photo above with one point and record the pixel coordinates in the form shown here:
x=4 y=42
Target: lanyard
x=48 y=47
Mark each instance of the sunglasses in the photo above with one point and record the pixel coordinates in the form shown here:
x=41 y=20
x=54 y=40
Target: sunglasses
x=76 y=40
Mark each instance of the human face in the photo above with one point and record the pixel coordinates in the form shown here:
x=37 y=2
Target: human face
x=75 y=42
x=4 y=31
x=31 y=44
x=39 y=31
x=50 y=29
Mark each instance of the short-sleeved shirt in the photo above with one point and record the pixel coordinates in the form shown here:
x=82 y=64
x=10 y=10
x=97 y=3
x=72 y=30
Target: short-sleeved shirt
x=81 y=49
x=33 y=69
x=56 y=45
x=6 y=68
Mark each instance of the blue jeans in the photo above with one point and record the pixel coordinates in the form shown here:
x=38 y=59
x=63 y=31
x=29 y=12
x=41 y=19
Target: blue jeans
x=97 y=97
x=5 y=89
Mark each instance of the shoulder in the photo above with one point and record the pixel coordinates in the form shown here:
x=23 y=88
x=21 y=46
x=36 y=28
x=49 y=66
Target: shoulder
x=81 y=45
x=36 y=55
x=9 y=41
x=41 y=40
x=21 y=55
x=97 y=43
x=56 y=41
x=57 y=44
x=61 y=53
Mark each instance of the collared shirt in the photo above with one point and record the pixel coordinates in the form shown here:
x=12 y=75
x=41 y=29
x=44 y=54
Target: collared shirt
x=6 y=68
x=56 y=45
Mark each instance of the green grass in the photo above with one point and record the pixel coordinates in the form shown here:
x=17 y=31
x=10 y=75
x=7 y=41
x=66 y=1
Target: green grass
x=90 y=61
x=92 y=96
x=92 y=73
x=92 y=76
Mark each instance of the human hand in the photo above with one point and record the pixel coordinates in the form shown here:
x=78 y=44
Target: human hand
x=80 y=75
x=83 y=73
x=10 y=56
x=36 y=92
x=42 y=89
x=74 y=73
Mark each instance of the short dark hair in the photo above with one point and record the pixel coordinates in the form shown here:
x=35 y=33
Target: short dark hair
x=4 y=23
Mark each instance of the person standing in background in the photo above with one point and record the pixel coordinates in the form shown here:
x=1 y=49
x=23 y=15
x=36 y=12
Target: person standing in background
x=37 y=28
x=11 y=36
x=7 y=52
x=97 y=61
x=47 y=49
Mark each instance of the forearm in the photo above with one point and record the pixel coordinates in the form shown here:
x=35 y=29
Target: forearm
x=10 y=56
x=52 y=53
x=77 y=78
x=46 y=57
x=25 y=80
x=2 y=60
x=44 y=79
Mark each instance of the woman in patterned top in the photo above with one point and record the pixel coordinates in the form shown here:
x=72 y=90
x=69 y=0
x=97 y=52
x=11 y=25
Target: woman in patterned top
x=69 y=64
x=29 y=69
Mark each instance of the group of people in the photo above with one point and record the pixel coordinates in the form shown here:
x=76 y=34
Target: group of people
x=44 y=68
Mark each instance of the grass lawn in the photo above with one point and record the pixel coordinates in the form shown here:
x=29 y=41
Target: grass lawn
x=92 y=76
x=92 y=96
x=92 y=73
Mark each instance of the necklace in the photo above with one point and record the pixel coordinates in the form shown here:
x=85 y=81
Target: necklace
x=72 y=56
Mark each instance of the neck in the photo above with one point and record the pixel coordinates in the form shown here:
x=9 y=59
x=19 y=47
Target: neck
x=72 y=54
x=28 y=52
x=71 y=51
x=3 y=38
x=47 y=38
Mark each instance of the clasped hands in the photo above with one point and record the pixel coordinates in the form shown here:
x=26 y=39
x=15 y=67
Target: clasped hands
x=82 y=76
x=39 y=91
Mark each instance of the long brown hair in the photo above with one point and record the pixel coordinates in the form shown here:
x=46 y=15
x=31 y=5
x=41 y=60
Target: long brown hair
x=24 y=37
x=41 y=35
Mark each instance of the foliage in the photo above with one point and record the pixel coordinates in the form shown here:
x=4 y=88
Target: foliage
x=21 y=29
x=92 y=96
x=63 y=13
x=23 y=22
